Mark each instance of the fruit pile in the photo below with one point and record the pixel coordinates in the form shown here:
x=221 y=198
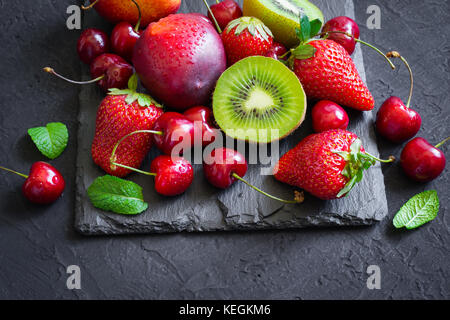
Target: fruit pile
x=256 y=67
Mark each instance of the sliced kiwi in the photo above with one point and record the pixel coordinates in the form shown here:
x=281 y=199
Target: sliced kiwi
x=282 y=16
x=260 y=100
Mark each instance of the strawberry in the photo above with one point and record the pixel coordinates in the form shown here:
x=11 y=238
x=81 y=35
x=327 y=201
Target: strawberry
x=327 y=165
x=246 y=37
x=120 y=113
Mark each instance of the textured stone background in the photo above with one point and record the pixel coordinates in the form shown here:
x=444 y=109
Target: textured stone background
x=38 y=243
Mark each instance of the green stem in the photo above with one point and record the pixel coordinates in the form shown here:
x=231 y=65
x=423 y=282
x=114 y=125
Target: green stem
x=138 y=24
x=395 y=54
x=50 y=70
x=217 y=1
x=391 y=158
x=18 y=173
x=134 y=169
x=442 y=143
x=212 y=15
x=264 y=193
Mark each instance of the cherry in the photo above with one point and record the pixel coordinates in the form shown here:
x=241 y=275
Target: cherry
x=124 y=37
x=174 y=175
x=395 y=121
x=344 y=24
x=421 y=161
x=225 y=12
x=277 y=51
x=91 y=44
x=204 y=116
x=108 y=70
x=43 y=185
x=327 y=115
x=223 y=167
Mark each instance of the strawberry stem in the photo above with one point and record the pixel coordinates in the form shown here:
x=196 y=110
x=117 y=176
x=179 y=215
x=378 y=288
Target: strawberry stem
x=212 y=15
x=442 y=143
x=51 y=71
x=89 y=6
x=298 y=198
x=138 y=24
x=395 y=54
x=18 y=173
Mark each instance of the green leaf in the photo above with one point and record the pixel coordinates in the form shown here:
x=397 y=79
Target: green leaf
x=305 y=27
x=51 y=140
x=418 y=211
x=304 y=51
x=316 y=25
x=117 y=195
x=133 y=82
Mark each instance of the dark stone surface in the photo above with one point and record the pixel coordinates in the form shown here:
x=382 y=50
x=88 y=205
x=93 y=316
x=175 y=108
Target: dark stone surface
x=203 y=208
x=38 y=243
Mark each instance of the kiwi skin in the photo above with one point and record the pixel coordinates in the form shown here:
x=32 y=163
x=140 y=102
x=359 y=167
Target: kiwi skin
x=282 y=26
x=302 y=100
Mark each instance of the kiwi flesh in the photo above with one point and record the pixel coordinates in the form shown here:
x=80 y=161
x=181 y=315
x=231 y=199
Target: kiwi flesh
x=282 y=16
x=259 y=100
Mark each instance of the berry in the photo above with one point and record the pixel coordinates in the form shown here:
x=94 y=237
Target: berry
x=327 y=115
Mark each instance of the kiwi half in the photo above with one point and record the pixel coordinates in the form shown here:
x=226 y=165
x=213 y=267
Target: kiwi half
x=282 y=16
x=260 y=100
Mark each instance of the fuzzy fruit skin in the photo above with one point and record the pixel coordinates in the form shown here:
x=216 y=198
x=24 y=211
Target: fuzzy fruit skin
x=238 y=47
x=116 y=119
x=396 y=122
x=44 y=184
x=123 y=39
x=225 y=12
x=178 y=132
x=343 y=24
x=116 y=70
x=332 y=75
x=204 y=116
x=124 y=10
x=421 y=161
x=313 y=166
x=327 y=115
x=92 y=43
x=220 y=164
x=179 y=60
x=174 y=175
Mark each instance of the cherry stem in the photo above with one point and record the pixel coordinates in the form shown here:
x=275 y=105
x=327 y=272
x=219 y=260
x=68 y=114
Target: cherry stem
x=296 y=201
x=442 y=143
x=90 y=6
x=391 y=158
x=138 y=24
x=362 y=42
x=217 y=1
x=113 y=155
x=395 y=54
x=50 y=70
x=212 y=15
x=18 y=173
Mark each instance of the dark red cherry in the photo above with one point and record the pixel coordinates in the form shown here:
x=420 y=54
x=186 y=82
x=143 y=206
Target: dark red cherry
x=225 y=12
x=203 y=116
x=173 y=175
x=221 y=165
x=343 y=24
x=176 y=133
x=327 y=115
x=91 y=44
x=123 y=39
x=115 y=71
x=421 y=161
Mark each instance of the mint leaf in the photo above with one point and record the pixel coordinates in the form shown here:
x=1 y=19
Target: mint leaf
x=418 y=211
x=51 y=140
x=117 y=195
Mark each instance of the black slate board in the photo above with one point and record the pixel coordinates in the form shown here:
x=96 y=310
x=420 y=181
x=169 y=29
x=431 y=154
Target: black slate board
x=204 y=208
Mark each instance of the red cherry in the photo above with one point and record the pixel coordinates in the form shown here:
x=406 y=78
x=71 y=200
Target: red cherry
x=173 y=175
x=173 y=130
x=123 y=39
x=43 y=185
x=343 y=24
x=421 y=161
x=395 y=121
x=327 y=115
x=225 y=12
x=202 y=115
x=276 y=51
x=91 y=44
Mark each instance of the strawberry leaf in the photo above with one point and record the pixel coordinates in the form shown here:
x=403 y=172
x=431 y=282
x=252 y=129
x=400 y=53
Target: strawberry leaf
x=117 y=195
x=133 y=82
x=51 y=140
x=418 y=211
x=315 y=26
x=304 y=51
x=305 y=27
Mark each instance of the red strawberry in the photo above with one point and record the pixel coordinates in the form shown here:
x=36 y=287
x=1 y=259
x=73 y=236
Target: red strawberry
x=327 y=165
x=246 y=37
x=120 y=113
